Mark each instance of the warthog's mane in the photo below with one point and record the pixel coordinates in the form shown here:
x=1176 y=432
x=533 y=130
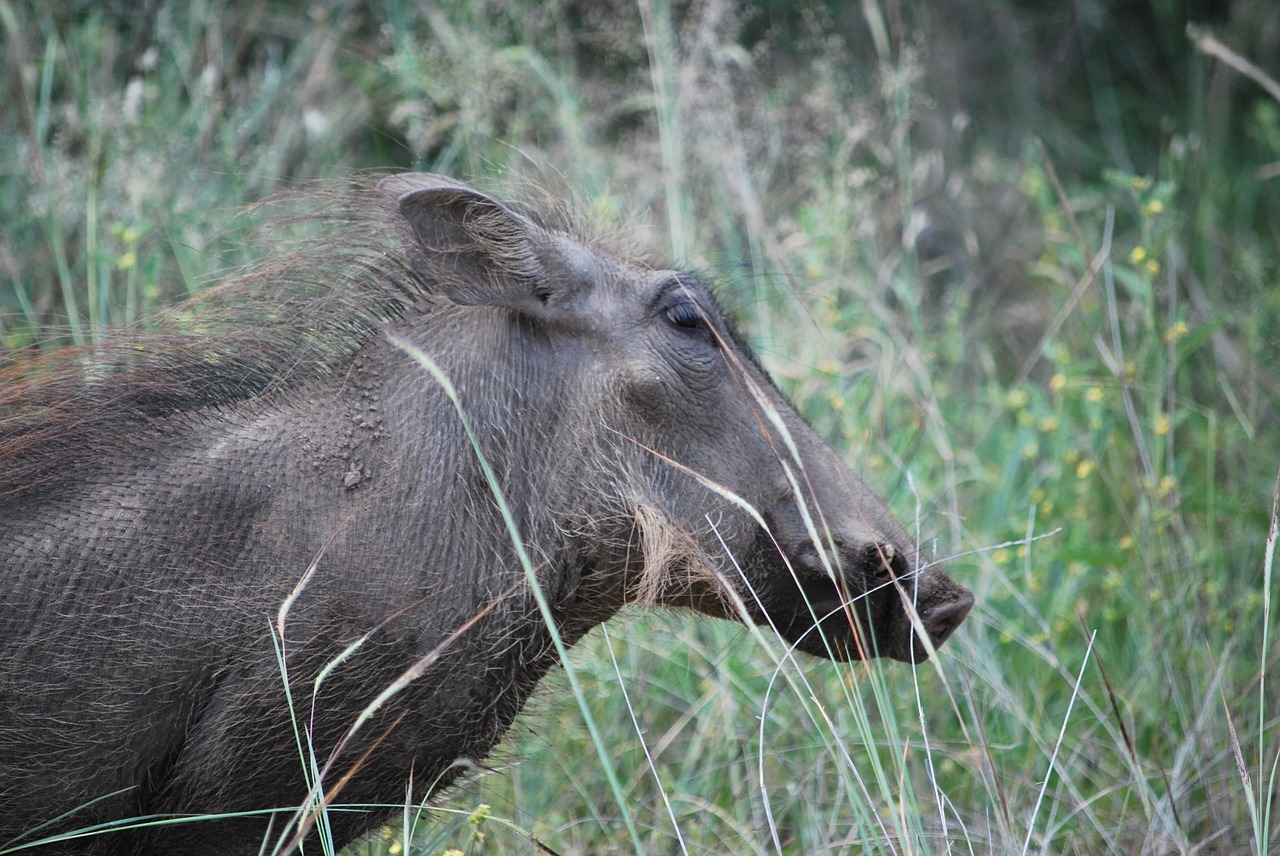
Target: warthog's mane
x=287 y=320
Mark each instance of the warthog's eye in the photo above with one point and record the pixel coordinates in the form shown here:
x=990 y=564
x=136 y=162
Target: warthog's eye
x=686 y=315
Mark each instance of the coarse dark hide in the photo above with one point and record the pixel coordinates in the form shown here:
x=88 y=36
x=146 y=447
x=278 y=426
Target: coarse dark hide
x=345 y=473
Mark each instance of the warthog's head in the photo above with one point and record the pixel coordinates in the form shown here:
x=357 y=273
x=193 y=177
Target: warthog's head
x=676 y=451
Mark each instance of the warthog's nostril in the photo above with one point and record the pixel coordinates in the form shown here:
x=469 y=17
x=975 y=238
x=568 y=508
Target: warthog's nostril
x=941 y=621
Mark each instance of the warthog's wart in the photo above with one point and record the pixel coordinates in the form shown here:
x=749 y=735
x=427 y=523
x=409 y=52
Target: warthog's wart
x=286 y=459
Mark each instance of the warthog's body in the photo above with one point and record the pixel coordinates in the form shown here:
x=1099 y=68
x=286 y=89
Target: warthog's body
x=160 y=507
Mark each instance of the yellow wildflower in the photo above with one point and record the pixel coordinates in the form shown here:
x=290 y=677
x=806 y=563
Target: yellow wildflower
x=1175 y=333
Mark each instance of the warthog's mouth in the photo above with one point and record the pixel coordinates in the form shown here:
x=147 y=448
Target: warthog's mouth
x=826 y=623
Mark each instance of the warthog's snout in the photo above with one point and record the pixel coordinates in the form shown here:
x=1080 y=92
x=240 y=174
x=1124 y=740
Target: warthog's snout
x=864 y=601
x=942 y=621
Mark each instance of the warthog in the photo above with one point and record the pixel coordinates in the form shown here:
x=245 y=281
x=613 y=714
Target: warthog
x=371 y=486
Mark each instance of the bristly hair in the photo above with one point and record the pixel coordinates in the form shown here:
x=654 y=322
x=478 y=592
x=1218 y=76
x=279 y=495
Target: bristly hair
x=291 y=319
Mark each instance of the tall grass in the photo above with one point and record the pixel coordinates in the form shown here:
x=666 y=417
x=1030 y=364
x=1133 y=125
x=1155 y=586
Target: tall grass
x=1059 y=368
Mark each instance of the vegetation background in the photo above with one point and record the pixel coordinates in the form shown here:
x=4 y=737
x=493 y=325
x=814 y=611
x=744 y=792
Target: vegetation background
x=1020 y=260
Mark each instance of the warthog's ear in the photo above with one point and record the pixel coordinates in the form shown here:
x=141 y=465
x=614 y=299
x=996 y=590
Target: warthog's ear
x=482 y=252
